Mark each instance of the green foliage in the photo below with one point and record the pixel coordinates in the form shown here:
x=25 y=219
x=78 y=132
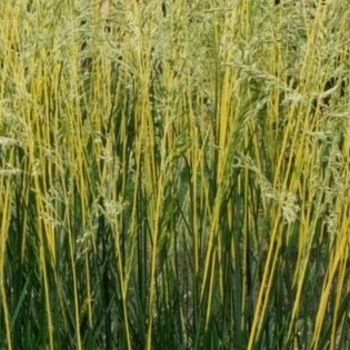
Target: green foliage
x=180 y=181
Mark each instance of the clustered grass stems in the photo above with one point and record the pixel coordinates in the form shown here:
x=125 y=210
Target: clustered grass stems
x=179 y=181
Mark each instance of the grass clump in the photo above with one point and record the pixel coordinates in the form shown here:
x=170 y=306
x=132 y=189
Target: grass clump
x=174 y=176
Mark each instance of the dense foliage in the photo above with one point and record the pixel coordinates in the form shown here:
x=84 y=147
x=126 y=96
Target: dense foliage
x=178 y=181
